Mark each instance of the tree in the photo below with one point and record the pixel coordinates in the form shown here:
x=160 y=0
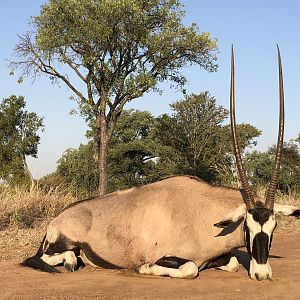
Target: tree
x=259 y=167
x=117 y=50
x=77 y=171
x=201 y=144
x=132 y=150
x=130 y=156
x=18 y=138
x=290 y=167
x=260 y=164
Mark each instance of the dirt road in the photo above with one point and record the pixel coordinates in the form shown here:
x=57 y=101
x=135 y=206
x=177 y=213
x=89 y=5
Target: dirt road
x=89 y=283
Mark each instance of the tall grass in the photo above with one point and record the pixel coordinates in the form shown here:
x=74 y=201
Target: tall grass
x=24 y=216
x=28 y=209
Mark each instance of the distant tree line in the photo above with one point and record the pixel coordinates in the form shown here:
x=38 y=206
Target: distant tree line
x=259 y=166
x=19 y=138
x=193 y=140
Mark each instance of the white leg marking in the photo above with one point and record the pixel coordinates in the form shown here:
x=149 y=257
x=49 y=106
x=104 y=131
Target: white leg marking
x=68 y=258
x=70 y=261
x=187 y=270
x=232 y=266
x=54 y=259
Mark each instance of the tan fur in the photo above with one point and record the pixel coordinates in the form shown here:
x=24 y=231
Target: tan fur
x=137 y=226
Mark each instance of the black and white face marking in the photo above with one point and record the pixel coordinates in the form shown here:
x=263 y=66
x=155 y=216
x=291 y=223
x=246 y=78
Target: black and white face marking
x=259 y=226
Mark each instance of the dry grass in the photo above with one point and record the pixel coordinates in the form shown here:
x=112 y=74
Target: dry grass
x=288 y=225
x=25 y=215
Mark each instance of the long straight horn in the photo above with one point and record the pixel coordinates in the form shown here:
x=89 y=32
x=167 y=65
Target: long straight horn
x=248 y=197
x=275 y=173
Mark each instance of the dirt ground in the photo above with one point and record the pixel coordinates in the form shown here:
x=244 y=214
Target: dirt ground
x=23 y=283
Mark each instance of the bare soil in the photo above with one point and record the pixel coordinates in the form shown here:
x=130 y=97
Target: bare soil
x=23 y=283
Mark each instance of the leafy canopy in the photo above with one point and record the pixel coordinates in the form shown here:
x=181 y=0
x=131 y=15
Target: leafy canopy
x=260 y=166
x=18 y=138
x=201 y=143
x=119 y=49
x=129 y=158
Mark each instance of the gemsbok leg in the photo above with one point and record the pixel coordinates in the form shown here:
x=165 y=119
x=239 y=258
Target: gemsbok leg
x=171 y=266
x=226 y=262
x=68 y=258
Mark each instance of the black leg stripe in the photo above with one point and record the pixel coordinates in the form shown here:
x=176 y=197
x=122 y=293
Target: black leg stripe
x=173 y=262
x=220 y=261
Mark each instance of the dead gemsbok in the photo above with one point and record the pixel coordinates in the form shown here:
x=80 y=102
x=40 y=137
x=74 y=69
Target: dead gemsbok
x=175 y=227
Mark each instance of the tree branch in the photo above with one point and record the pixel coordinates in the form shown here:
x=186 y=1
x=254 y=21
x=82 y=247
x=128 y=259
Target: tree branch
x=72 y=66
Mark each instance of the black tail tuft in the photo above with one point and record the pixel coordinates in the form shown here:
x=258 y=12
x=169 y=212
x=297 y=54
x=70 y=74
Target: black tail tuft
x=37 y=263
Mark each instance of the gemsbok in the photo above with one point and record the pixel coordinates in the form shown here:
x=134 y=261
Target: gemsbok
x=174 y=227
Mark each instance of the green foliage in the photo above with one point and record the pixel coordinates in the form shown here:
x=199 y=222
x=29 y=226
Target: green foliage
x=290 y=167
x=260 y=165
x=76 y=173
x=131 y=150
x=201 y=145
x=129 y=159
x=119 y=49
x=18 y=138
x=192 y=141
x=79 y=170
x=128 y=45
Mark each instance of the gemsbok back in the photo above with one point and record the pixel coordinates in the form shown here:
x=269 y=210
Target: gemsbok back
x=174 y=227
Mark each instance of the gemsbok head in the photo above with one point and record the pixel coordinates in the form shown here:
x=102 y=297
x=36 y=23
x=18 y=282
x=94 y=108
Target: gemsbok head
x=259 y=216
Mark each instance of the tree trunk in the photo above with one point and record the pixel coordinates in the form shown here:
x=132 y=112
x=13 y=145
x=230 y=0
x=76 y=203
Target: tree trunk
x=102 y=153
x=28 y=173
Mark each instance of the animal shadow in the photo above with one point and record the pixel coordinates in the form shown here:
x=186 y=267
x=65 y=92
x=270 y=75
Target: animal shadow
x=244 y=259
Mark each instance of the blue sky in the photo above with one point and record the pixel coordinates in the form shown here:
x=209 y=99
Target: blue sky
x=254 y=27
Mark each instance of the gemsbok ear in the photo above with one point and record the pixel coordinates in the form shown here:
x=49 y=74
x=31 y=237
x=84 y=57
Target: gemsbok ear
x=235 y=216
x=287 y=210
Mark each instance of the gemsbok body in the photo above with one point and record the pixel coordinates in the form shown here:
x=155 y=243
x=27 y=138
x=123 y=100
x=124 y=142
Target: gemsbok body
x=174 y=227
